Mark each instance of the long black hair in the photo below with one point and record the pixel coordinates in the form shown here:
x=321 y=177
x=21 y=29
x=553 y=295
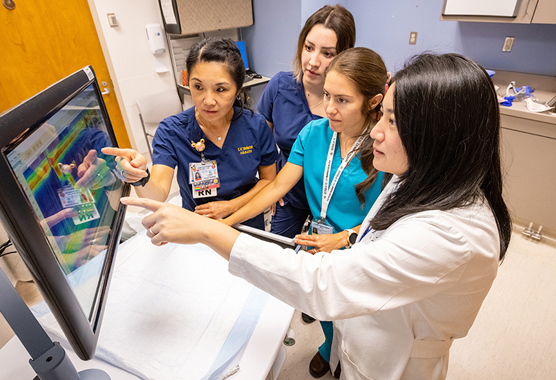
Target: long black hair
x=448 y=120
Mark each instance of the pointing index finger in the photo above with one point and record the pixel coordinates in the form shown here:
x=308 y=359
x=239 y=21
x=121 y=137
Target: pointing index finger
x=146 y=203
x=114 y=152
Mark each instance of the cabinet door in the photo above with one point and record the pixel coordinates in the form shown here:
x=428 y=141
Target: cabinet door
x=523 y=15
x=545 y=12
x=198 y=16
x=496 y=8
x=530 y=182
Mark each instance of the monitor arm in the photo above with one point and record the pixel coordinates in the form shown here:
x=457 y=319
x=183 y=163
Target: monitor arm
x=48 y=359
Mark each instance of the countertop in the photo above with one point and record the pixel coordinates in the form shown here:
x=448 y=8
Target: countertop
x=545 y=89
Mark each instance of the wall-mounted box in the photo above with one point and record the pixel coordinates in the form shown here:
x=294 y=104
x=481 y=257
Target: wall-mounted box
x=198 y=16
x=496 y=8
x=505 y=11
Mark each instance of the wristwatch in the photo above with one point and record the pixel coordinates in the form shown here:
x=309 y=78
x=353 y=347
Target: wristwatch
x=143 y=181
x=352 y=237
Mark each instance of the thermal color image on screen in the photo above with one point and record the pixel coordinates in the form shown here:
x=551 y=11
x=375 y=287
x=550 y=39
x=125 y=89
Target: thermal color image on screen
x=69 y=182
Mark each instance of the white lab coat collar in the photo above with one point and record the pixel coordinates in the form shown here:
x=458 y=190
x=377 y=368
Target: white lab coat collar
x=388 y=189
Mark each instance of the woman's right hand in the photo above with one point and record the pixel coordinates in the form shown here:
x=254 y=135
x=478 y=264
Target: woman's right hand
x=172 y=224
x=273 y=207
x=131 y=165
x=323 y=243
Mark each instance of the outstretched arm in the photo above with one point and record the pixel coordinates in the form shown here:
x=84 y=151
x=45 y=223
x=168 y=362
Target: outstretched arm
x=284 y=181
x=325 y=242
x=221 y=209
x=172 y=224
x=132 y=167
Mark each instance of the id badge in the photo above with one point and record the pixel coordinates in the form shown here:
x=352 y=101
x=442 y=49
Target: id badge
x=85 y=213
x=82 y=203
x=205 y=189
x=203 y=171
x=203 y=177
x=70 y=197
x=319 y=228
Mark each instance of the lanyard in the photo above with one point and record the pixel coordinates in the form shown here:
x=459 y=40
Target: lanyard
x=382 y=197
x=326 y=190
x=367 y=230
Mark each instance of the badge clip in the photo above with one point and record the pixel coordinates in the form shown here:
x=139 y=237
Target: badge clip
x=199 y=147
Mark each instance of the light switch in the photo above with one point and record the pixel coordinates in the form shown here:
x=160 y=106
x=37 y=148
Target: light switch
x=413 y=38
x=508 y=43
x=112 y=21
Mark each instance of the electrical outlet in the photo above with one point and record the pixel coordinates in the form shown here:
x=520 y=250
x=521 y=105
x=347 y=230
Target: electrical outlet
x=412 y=38
x=112 y=20
x=508 y=43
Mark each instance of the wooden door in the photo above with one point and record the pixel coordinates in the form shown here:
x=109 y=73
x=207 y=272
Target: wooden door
x=43 y=41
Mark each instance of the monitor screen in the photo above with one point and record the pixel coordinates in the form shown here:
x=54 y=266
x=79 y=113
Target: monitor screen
x=243 y=51
x=59 y=200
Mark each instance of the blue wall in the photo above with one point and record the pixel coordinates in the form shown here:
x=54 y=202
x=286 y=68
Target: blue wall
x=384 y=26
x=272 y=40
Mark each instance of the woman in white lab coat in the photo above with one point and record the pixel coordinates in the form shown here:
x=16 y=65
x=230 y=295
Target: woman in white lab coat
x=428 y=250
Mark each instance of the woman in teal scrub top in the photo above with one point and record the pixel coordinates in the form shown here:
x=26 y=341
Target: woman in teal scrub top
x=327 y=154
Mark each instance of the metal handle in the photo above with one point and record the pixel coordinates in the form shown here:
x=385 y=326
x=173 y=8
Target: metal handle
x=106 y=91
x=527 y=8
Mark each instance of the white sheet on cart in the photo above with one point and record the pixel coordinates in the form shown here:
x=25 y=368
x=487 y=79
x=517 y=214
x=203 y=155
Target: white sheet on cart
x=173 y=312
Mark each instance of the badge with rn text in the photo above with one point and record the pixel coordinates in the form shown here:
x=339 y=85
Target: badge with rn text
x=204 y=180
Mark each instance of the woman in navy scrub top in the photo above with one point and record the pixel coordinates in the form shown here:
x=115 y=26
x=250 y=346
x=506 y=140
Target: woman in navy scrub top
x=293 y=99
x=213 y=141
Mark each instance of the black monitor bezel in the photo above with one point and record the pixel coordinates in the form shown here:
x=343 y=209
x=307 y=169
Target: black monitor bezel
x=19 y=220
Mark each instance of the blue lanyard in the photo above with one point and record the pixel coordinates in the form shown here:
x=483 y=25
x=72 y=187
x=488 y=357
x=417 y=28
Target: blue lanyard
x=369 y=228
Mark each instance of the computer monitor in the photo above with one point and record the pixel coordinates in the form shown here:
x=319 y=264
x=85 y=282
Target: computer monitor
x=243 y=51
x=59 y=200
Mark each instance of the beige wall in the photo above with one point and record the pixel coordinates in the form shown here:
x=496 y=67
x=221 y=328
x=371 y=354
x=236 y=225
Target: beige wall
x=129 y=58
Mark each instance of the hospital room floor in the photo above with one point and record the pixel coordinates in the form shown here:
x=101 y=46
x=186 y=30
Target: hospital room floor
x=514 y=336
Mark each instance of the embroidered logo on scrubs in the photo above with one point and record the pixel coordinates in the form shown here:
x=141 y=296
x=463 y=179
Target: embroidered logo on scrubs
x=245 y=149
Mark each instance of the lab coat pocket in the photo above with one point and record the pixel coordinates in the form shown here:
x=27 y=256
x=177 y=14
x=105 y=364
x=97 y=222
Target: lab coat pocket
x=351 y=370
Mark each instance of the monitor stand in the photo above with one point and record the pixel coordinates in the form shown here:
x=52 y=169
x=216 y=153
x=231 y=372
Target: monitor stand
x=48 y=359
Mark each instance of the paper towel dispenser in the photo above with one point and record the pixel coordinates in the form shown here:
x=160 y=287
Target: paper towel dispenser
x=156 y=39
x=198 y=16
